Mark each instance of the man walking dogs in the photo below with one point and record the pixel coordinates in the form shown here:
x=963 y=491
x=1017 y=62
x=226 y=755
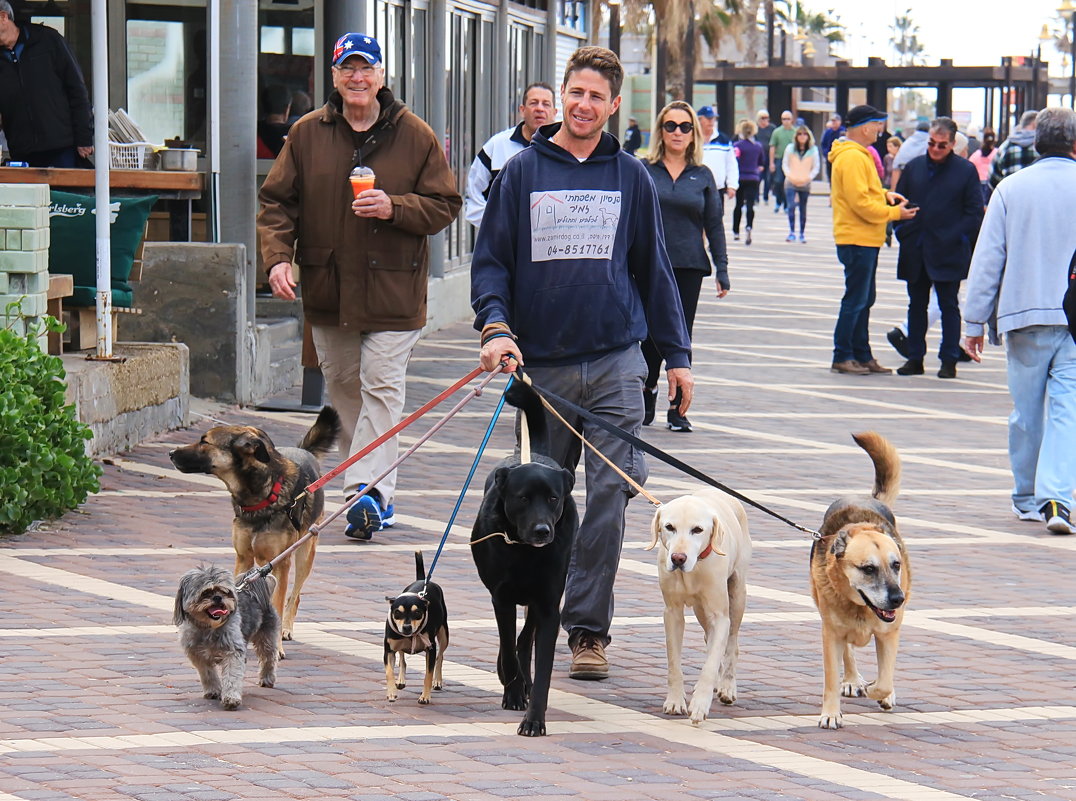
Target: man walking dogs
x=860 y=212
x=1018 y=278
x=363 y=254
x=570 y=274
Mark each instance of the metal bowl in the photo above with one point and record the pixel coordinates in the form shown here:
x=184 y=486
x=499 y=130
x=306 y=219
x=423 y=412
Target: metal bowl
x=179 y=158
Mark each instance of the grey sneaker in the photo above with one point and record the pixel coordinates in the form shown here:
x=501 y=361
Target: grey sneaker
x=1057 y=518
x=1022 y=515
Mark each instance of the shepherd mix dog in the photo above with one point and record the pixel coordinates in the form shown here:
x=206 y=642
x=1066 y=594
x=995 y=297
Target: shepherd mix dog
x=264 y=482
x=860 y=580
x=704 y=551
x=521 y=543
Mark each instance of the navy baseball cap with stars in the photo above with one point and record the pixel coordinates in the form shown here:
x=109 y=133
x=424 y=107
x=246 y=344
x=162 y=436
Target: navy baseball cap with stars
x=357 y=44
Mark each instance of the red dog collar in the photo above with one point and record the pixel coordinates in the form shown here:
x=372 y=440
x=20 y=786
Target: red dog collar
x=274 y=495
x=709 y=550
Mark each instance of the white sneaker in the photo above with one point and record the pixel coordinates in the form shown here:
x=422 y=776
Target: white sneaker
x=1022 y=515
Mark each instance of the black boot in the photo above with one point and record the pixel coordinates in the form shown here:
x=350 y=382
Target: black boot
x=911 y=367
x=650 y=404
x=947 y=370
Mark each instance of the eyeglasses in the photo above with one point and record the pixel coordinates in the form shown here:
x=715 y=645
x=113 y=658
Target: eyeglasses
x=347 y=70
x=939 y=145
x=669 y=126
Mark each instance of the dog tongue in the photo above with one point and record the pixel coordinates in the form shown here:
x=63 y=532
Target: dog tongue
x=218 y=612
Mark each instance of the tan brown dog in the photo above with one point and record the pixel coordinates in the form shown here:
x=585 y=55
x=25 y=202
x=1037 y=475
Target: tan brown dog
x=705 y=548
x=860 y=580
x=264 y=483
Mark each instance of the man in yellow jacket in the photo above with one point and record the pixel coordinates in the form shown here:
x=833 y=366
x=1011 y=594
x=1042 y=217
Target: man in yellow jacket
x=861 y=209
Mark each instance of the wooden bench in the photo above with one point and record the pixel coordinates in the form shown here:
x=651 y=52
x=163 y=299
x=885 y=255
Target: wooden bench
x=60 y=287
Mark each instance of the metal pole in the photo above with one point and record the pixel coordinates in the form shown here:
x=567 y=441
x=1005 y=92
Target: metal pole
x=614 y=45
x=213 y=9
x=1072 y=78
x=102 y=161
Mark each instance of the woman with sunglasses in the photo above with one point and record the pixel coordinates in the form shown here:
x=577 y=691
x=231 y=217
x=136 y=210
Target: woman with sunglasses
x=750 y=158
x=691 y=206
x=800 y=164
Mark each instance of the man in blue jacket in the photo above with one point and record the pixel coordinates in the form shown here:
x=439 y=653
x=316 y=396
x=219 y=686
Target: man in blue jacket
x=936 y=244
x=570 y=273
x=1018 y=278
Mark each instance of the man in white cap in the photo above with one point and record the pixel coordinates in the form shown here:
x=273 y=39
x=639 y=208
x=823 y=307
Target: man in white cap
x=717 y=152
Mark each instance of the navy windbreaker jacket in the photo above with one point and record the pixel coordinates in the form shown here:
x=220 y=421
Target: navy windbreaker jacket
x=571 y=255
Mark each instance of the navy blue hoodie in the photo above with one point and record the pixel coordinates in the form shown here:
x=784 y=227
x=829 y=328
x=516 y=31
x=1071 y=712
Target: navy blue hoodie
x=571 y=255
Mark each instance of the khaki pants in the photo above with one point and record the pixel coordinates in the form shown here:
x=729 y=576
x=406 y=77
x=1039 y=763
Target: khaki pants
x=366 y=375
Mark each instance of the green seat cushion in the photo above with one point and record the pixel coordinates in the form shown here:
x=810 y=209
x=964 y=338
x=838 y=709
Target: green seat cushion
x=73 y=243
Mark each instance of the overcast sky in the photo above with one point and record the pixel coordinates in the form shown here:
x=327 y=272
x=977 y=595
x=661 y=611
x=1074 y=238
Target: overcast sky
x=972 y=33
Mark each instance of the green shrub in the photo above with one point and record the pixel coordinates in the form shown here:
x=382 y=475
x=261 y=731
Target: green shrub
x=44 y=469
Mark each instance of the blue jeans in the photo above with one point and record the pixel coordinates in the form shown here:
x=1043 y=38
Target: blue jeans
x=792 y=194
x=850 y=336
x=1042 y=426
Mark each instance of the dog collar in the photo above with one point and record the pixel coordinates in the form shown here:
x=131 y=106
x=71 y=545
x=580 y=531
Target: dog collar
x=706 y=552
x=274 y=496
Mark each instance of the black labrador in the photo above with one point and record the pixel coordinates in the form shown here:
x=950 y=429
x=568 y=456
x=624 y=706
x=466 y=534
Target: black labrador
x=529 y=510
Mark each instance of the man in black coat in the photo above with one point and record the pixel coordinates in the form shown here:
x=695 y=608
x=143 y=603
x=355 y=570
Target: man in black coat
x=936 y=244
x=44 y=106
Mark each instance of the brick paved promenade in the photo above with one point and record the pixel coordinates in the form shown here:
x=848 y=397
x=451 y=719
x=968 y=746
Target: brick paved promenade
x=97 y=701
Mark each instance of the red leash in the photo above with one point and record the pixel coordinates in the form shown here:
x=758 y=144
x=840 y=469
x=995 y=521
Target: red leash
x=400 y=426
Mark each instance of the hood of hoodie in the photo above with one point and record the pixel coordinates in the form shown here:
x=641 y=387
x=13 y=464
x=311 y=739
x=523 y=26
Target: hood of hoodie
x=843 y=146
x=1023 y=137
x=607 y=149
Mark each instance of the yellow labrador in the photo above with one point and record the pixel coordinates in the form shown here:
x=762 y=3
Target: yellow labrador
x=702 y=563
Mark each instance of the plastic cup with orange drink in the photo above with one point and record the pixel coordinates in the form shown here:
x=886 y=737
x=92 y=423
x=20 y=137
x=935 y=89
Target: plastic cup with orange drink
x=362 y=178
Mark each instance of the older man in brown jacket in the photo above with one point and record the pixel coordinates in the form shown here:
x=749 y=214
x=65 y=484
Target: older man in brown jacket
x=364 y=260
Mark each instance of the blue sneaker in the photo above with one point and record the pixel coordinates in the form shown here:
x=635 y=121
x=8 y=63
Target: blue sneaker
x=790 y=238
x=365 y=517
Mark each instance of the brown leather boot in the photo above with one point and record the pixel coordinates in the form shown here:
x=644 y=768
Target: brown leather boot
x=589 y=662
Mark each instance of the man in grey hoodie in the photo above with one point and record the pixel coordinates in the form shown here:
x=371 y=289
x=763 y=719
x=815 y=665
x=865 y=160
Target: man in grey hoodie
x=1019 y=274
x=1016 y=152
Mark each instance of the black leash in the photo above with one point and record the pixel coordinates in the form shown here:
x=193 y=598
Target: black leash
x=672 y=461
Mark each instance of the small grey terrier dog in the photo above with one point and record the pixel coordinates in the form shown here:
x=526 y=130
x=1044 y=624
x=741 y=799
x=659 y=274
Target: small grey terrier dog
x=215 y=624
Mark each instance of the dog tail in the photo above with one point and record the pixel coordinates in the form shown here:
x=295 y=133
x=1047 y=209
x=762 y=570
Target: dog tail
x=525 y=398
x=420 y=569
x=886 y=465
x=322 y=436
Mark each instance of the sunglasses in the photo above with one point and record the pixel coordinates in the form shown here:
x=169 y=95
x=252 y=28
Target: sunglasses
x=669 y=126
x=939 y=145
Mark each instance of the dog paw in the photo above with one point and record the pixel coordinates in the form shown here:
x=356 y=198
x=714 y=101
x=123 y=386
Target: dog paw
x=268 y=681
x=700 y=708
x=230 y=703
x=438 y=686
x=830 y=721
x=513 y=700
x=854 y=688
x=390 y=697
x=400 y=686
x=531 y=728
x=285 y=634
x=675 y=705
x=280 y=654
x=886 y=702
x=424 y=700
x=211 y=694
x=727 y=694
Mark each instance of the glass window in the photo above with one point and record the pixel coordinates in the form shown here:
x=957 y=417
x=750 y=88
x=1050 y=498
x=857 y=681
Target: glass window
x=302 y=41
x=155 y=77
x=272 y=39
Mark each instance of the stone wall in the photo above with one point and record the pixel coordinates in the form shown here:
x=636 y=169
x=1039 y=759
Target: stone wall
x=24 y=257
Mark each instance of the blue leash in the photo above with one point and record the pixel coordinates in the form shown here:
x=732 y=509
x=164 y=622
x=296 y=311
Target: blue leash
x=470 y=475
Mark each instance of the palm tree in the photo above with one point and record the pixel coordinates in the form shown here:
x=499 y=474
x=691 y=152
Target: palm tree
x=674 y=27
x=905 y=40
